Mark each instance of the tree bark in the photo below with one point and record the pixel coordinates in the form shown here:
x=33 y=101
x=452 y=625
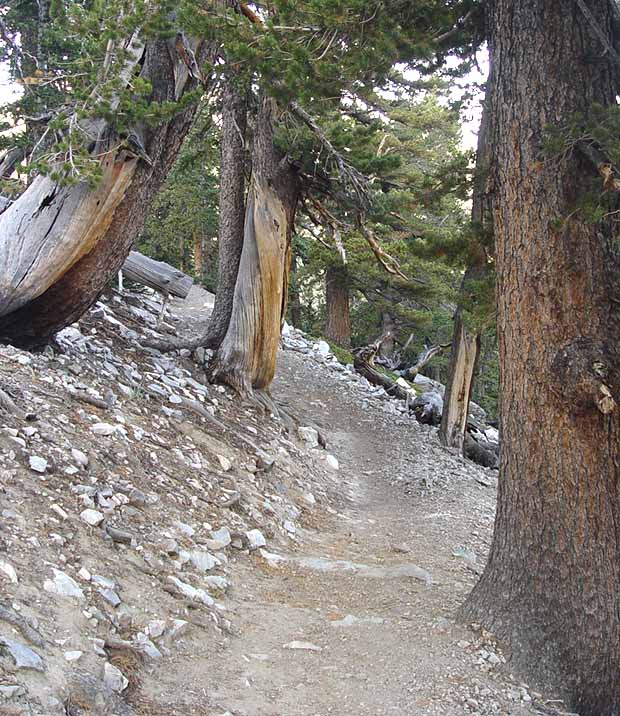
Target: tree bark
x=60 y=246
x=246 y=358
x=232 y=210
x=465 y=343
x=389 y=329
x=338 y=323
x=551 y=585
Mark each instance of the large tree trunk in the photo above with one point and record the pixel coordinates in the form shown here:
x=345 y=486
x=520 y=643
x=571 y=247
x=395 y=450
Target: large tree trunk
x=338 y=323
x=246 y=359
x=60 y=246
x=551 y=587
x=232 y=210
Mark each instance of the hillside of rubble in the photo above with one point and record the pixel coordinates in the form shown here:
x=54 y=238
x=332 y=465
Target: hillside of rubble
x=167 y=549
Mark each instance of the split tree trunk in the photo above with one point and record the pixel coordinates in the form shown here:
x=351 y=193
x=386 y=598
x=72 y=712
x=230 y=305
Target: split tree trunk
x=551 y=585
x=246 y=359
x=60 y=246
x=465 y=343
x=338 y=324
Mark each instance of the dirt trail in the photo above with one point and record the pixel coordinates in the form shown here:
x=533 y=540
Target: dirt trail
x=354 y=587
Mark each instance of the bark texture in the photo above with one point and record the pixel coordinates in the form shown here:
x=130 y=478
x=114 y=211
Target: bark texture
x=551 y=587
x=338 y=323
x=246 y=359
x=232 y=210
x=60 y=246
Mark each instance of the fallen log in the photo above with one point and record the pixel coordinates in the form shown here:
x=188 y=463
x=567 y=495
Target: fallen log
x=157 y=274
x=364 y=364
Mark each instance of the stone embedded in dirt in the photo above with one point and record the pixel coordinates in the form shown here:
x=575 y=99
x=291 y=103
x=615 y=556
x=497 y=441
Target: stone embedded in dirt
x=37 y=463
x=225 y=463
x=103 y=429
x=332 y=462
x=256 y=540
x=156 y=628
x=289 y=527
x=202 y=560
x=219 y=583
x=401 y=548
x=196 y=595
x=79 y=457
x=309 y=499
x=9 y=570
x=309 y=435
x=302 y=646
x=11 y=691
x=322 y=348
x=184 y=529
x=178 y=628
x=63 y=585
x=114 y=678
x=23 y=656
x=220 y=539
x=92 y=517
x=73 y=655
x=110 y=596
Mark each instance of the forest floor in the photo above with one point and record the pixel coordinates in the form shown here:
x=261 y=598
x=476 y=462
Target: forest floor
x=371 y=594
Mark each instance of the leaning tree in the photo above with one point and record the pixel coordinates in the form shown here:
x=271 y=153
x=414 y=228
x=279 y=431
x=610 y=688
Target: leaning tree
x=551 y=587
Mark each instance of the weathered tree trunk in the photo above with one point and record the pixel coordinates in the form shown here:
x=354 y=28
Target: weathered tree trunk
x=364 y=364
x=232 y=210
x=465 y=343
x=60 y=246
x=338 y=323
x=551 y=585
x=246 y=359
x=461 y=372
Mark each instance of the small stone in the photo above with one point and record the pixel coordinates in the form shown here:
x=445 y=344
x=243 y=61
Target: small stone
x=219 y=583
x=156 y=628
x=79 y=457
x=202 y=560
x=103 y=429
x=11 y=691
x=309 y=435
x=37 y=463
x=114 y=678
x=255 y=539
x=220 y=539
x=178 y=628
x=59 y=511
x=332 y=462
x=302 y=646
x=289 y=527
x=401 y=548
x=309 y=499
x=184 y=529
x=73 y=655
x=23 y=656
x=63 y=585
x=9 y=570
x=225 y=463
x=110 y=596
x=91 y=517
x=196 y=595
x=84 y=574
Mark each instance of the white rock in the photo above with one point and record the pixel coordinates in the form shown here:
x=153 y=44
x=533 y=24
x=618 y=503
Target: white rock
x=309 y=498
x=79 y=457
x=272 y=559
x=196 y=595
x=332 y=463
x=23 y=656
x=84 y=574
x=289 y=527
x=220 y=583
x=309 y=435
x=9 y=571
x=59 y=511
x=202 y=560
x=156 y=628
x=178 y=628
x=225 y=463
x=323 y=348
x=37 y=463
x=184 y=529
x=255 y=539
x=63 y=585
x=73 y=655
x=220 y=539
x=91 y=517
x=302 y=646
x=114 y=678
x=103 y=429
